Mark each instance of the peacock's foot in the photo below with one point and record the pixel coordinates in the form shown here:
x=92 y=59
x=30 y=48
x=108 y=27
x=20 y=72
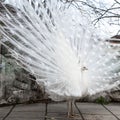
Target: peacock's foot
x=74 y=116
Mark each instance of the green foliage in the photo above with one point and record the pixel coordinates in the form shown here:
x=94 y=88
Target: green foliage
x=101 y=100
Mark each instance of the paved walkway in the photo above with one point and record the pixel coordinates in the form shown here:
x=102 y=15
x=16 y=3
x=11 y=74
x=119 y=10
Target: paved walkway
x=57 y=111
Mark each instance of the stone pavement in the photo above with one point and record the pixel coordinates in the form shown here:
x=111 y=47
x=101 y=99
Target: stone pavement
x=58 y=111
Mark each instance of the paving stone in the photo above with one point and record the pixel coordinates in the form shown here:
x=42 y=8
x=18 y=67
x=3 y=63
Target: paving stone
x=63 y=118
x=24 y=119
x=90 y=111
x=28 y=112
x=60 y=116
x=92 y=108
x=57 y=107
x=26 y=115
x=58 y=111
x=38 y=107
x=4 y=111
x=114 y=108
x=99 y=117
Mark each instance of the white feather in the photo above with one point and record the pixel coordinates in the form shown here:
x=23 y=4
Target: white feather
x=59 y=45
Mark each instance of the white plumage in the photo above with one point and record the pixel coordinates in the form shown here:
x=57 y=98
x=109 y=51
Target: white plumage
x=58 y=44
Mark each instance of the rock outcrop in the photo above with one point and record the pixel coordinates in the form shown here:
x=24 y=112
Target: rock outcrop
x=17 y=85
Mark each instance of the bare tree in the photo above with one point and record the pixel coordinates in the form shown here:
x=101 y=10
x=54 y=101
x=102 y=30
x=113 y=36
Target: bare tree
x=99 y=10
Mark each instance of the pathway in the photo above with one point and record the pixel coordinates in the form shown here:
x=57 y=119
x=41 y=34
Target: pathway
x=57 y=111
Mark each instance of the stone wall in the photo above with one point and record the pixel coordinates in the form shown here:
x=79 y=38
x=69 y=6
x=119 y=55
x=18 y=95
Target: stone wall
x=17 y=85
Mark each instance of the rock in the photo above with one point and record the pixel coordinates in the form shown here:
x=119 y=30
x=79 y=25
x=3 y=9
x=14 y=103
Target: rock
x=115 y=95
x=3 y=102
x=97 y=97
x=19 y=86
x=12 y=100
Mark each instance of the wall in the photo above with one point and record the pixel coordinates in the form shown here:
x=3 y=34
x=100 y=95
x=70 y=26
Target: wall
x=17 y=85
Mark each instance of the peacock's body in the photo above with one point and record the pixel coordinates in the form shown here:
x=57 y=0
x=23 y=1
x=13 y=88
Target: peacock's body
x=58 y=45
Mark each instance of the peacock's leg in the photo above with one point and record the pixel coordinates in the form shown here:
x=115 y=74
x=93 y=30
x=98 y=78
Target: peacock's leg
x=71 y=112
x=70 y=108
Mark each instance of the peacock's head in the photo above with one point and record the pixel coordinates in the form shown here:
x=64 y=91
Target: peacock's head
x=84 y=68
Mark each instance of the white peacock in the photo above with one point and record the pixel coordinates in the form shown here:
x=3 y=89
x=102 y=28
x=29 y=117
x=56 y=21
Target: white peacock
x=58 y=44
